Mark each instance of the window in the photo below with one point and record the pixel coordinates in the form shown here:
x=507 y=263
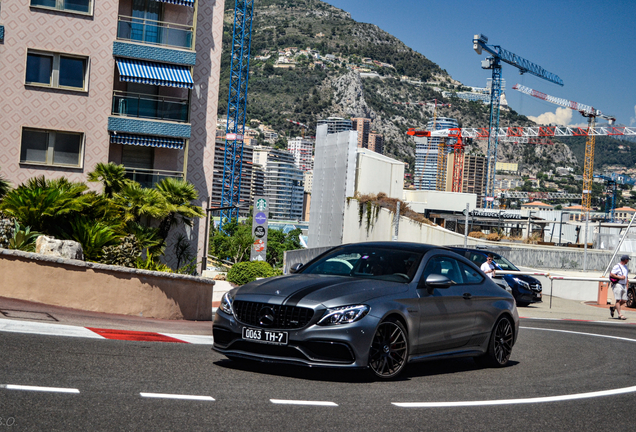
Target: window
x=80 y=6
x=444 y=266
x=471 y=276
x=56 y=70
x=47 y=147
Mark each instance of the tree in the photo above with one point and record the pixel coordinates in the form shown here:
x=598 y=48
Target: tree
x=178 y=195
x=279 y=242
x=235 y=243
x=112 y=177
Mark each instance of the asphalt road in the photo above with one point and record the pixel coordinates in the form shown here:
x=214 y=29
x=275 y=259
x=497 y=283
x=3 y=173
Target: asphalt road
x=111 y=375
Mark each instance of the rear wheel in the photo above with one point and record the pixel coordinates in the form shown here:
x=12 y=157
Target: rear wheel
x=499 y=346
x=389 y=349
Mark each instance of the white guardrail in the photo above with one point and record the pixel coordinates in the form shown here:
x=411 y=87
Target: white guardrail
x=554 y=277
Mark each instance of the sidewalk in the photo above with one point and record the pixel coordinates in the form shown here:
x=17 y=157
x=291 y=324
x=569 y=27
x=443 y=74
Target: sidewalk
x=573 y=310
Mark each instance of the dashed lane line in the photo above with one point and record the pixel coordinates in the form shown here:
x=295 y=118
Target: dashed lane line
x=302 y=402
x=176 y=396
x=39 y=389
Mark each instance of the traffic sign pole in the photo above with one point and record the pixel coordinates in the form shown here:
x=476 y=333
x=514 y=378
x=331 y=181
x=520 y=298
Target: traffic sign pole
x=259 y=229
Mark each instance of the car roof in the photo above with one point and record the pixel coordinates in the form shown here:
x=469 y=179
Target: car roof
x=481 y=251
x=407 y=246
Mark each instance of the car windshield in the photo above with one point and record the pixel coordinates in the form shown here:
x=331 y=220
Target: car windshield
x=505 y=264
x=368 y=262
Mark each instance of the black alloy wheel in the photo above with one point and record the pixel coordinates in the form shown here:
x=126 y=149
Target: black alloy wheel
x=500 y=345
x=389 y=349
x=631 y=300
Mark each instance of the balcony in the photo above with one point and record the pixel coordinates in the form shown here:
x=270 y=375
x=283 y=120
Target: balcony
x=150 y=177
x=154 y=32
x=140 y=105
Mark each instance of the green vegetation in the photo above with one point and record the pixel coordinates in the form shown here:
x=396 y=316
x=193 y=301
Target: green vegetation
x=244 y=272
x=126 y=224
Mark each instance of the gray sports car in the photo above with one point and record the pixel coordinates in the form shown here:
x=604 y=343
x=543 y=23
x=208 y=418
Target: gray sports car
x=377 y=305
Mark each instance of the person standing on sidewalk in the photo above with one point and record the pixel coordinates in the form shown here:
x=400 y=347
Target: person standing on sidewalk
x=620 y=272
x=488 y=267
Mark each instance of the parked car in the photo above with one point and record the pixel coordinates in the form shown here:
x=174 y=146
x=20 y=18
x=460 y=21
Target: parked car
x=631 y=296
x=525 y=289
x=370 y=305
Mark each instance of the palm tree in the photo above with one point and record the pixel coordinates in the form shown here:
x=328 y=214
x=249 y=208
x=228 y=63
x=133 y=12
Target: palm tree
x=179 y=195
x=138 y=203
x=113 y=177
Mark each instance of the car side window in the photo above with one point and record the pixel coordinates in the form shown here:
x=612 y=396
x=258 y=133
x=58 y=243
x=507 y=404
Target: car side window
x=444 y=266
x=477 y=259
x=471 y=276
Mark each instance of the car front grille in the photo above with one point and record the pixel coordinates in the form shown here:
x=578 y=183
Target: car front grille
x=535 y=287
x=285 y=317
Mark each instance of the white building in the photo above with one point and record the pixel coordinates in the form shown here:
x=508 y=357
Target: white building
x=283 y=185
x=302 y=149
x=309 y=180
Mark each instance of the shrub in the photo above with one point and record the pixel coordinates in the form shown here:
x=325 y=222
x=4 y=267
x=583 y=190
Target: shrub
x=493 y=237
x=7 y=226
x=477 y=234
x=244 y=272
x=124 y=254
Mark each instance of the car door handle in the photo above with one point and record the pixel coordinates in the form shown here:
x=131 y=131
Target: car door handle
x=468 y=296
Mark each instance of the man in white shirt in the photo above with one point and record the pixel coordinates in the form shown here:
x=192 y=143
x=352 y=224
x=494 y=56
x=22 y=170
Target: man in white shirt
x=489 y=266
x=619 y=272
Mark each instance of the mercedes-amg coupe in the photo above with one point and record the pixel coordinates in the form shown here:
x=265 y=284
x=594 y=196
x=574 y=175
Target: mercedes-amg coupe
x=374 y=305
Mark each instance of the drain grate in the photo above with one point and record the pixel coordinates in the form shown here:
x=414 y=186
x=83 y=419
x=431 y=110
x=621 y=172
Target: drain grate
x=27 y=315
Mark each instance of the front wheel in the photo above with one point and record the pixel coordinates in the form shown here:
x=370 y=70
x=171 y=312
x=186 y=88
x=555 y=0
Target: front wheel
x=499 y=346
x=389 y=349
x=631 y=301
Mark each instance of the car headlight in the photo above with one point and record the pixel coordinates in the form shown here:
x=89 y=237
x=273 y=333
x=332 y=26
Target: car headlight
x=226 y=304
x=344 y=315
x=523 y=283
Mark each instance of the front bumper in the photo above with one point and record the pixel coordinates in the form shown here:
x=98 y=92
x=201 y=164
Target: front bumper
x=343 y=346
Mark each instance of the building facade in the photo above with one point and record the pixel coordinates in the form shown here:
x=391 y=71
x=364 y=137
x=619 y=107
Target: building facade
x=303 y=151
x=283 y=185
x=247 y=168
x=95 y=81
x=363 y=126
x=426 y=150
x=335 y=124
x=376 y=142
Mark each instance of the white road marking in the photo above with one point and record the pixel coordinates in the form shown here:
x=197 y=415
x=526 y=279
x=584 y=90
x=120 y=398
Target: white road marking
x=40 y=389
x=301 y=402
x=529 y=400
x=193 y=339
x=15 y=326
x=176 y=396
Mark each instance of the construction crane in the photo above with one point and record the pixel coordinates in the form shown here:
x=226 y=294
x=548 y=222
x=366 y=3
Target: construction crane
x=236 y=110
x=611 y=190
x=586 y=111
x=480 y=44
x=302 y=126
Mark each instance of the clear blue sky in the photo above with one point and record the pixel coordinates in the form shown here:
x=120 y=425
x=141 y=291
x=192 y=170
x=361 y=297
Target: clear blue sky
x=591 y=46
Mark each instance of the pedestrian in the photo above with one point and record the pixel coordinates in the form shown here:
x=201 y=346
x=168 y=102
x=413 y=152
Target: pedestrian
x=488 y=267
x=620 y=283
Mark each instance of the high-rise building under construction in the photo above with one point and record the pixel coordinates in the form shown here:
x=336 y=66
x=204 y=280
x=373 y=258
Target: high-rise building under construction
x=426 y=152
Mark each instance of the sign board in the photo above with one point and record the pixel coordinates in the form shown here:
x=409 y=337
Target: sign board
x=234 y=137
x=259 y=229
x=490 y=198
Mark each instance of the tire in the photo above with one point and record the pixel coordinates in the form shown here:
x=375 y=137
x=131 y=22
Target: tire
x=631 y=298
x=389 y=349
x=522 y=304
x=499 y=345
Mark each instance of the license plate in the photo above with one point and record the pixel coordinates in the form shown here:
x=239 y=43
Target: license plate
x=265 y=336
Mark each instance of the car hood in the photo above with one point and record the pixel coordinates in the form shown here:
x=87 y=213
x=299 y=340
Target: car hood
x=526 y=278
x=313 y=290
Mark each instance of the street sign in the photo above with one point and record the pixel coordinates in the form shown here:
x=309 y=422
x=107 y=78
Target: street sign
x=490 y=198
x=234 y=137
x=259 y=230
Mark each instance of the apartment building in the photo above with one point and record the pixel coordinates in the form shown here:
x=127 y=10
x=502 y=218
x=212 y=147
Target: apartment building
x=363 y=126
x=283 y=185
x=376 y=142
x=426 y=152
x=246 y=177
x=335 y=124
x=303 y=151
x=133 y=82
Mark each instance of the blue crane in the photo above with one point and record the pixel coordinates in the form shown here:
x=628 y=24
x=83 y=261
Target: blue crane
x=236 y=110
x=611 y=190
x=480 y=44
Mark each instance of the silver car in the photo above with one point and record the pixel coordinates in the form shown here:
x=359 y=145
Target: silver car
x=370 y=305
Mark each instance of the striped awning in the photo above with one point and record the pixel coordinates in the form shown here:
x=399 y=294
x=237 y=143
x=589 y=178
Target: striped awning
x=147 y=140
x=179 y=2
x=143 y=72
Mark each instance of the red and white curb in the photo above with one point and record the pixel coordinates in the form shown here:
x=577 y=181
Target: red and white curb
x=14 y=326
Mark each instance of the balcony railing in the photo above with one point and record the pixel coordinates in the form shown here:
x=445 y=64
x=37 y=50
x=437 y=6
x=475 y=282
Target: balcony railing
x=154 y=32
x=149 y=106
x=148 y=177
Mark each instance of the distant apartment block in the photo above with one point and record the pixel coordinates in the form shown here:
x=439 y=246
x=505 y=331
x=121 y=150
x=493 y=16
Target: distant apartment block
x=283 y=183
x=335 y=124
x=303 y=150
x=258 y=182
x=376 y=142
x=363 y=126
x=426 y=150
x=474 y=176
x=85 y=82
x=308 y=177
x=246 y=176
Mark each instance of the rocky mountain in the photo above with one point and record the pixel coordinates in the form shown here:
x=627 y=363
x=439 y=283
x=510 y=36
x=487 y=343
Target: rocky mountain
x=312 y=60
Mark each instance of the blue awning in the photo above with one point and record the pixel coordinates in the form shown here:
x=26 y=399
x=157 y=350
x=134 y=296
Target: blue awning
x=147 y=140
x=143 y=72
x=179 y=2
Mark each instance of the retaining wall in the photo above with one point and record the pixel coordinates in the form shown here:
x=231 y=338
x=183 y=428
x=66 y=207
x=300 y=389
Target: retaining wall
x=103 y=288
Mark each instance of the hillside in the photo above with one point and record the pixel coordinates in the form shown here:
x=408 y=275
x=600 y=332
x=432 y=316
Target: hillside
x=311 y=60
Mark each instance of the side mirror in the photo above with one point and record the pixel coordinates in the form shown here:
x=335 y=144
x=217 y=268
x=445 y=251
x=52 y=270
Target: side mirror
x=438 y=281
x=294 y=268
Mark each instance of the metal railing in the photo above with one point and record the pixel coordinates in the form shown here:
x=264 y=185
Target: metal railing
x=154 y=32
x=149 y=106
x=150 y=177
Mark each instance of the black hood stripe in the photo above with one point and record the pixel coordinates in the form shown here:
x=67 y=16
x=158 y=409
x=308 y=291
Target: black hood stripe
x=294 y=298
